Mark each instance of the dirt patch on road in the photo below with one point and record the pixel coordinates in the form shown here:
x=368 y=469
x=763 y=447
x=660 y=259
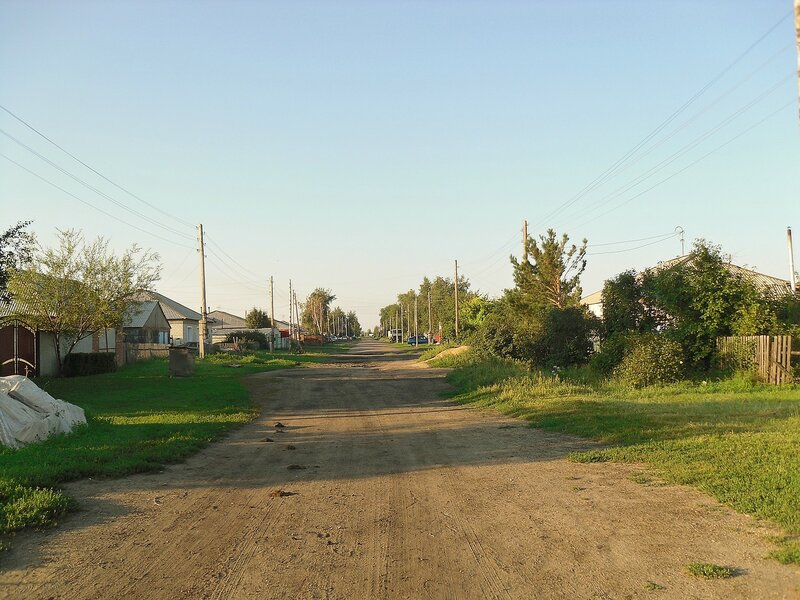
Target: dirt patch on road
x=405 y=495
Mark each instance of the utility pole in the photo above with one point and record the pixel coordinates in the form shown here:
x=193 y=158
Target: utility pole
x=524 y=241
x=430 y=319
x=297 y=316
x=402 y=323
x=271 y=315
x=396 y=325
x=291 y=314
x=792 y=275
x=203 y=307
x=416 y=332
x=679 y=230
x=455 y=283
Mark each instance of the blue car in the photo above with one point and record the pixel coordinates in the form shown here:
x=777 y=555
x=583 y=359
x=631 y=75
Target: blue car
x=412 y=341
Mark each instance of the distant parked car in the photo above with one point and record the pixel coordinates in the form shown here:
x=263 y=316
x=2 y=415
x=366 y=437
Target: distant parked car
x=413 y=341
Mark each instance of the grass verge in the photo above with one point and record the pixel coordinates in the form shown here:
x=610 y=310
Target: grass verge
x=734 y=439
x=139 y=419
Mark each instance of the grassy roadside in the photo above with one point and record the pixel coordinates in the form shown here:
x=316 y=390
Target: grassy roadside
x=139 y=419
x=736 y=440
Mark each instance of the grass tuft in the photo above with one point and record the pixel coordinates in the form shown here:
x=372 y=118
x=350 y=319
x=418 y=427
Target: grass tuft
x=710 y=571
x=653 y=586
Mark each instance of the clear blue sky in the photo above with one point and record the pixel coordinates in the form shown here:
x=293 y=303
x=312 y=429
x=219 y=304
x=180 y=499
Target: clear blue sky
x=361 y=145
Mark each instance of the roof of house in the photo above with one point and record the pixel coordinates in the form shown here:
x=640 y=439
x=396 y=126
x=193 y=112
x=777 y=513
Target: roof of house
x=172 y=310
x=225 y=320
x=140 y=313
x=593 y=298
x=765 y=283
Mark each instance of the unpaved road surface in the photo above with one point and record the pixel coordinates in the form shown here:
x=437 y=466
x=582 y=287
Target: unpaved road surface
x=400 y=495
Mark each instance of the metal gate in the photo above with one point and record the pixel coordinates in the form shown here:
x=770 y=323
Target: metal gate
x=17 y=350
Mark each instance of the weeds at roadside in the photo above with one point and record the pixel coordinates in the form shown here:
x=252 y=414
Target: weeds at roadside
x=788 y=552
x=710 y=571
x=654 y=587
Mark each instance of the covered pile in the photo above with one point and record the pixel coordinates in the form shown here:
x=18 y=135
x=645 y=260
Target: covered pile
x=29 y=414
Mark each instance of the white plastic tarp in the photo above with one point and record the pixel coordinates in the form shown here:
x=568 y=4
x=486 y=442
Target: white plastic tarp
x=29 y=414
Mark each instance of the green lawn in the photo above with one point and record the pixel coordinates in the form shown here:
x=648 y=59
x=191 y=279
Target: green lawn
x=736 y=440
x=138 y=420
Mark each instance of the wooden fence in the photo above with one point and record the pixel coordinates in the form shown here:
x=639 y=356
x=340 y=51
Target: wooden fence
x=770 y=356
x=134 y=352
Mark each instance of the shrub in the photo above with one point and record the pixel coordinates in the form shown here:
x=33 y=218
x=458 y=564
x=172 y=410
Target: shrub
x=501 y=336
x=565 y=338
x=77 y=364
x=259 y=339
x=612 y=352
x=652 y=359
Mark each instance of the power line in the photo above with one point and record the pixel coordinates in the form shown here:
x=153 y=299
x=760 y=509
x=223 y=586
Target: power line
x=610 y=171
x=94 y=189
x=684 y=149
x=669 y=237
x=81 y=200
x=96 y=172
x=691 y=164
x=652 y=237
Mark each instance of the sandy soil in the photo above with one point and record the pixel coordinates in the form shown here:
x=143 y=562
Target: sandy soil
x=400 y=495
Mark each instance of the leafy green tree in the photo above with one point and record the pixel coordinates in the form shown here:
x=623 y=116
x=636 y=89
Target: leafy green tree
x=623 y=309
x=78 y=288
x=255 y=318
x=353 y=326
x=16 y=252
x=315 y=310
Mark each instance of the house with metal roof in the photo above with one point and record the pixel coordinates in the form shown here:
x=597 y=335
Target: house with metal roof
x=146 y=323
x=184 y=322
x=222 y=323
x=766 y=284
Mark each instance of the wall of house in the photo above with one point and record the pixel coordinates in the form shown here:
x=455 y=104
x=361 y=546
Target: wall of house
x=48 y=364
x=184 y=331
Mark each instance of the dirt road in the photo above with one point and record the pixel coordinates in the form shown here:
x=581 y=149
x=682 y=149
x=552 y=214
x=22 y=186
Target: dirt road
x=378 y=488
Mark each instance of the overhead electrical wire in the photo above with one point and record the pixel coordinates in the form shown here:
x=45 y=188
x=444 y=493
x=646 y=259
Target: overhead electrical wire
x=93 y=170
x=610 y=171
x=691 y=164
x=684 y=149
x=89 y=204
x=94 y=189
x=698 y=114
x=644 y=239
x=664 y=239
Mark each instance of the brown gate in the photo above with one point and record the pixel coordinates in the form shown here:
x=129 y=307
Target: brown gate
x=17 y=350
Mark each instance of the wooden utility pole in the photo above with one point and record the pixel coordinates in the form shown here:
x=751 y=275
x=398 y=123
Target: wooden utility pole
x=402 y=324
x=291 y=314
x=297 y=316
x=416 y=328
x=430 y=319
x=271 y=315
x=396 y=325
x=455 y=283
x=524 y=241
x=203 y=307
